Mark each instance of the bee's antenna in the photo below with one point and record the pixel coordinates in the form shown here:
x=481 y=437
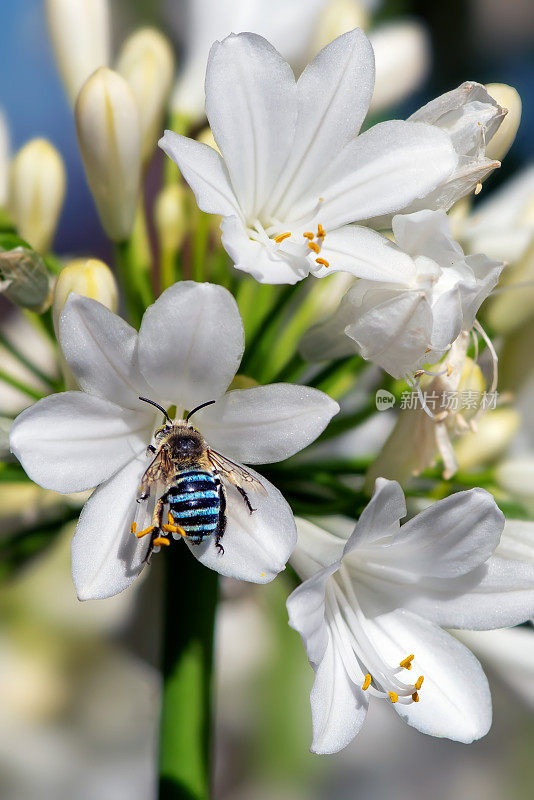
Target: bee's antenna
x=194 y=411
x=152 y=403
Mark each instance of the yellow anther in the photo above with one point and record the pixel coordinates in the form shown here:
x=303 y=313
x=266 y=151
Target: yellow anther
x=321 y=199
x=323 y=262
x=161 y=540
x=367 y=682
x=145 y=532
x=393 y=696
x=428 y=350
x=449 y=370
x=281 y=238
x=415 y=697
x=478 y=188
x=321 y=233
x=407 y=662
x=133 y=527
x=419 y=682
x=314 y=247
x=308 y=235
x=173 y=529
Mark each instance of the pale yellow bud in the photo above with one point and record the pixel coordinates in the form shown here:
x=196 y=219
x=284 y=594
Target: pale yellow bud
x=79 y=30
x=25 y=280
x=146 y=61
x=4 y=161
x=513 y=303
x=338 y=17
x=170 y=216
x=494 y=432
x=507 y=97
x=89 y=278
x=109 y=135
x=402 y=62
x=36 y=192
x=206 y=137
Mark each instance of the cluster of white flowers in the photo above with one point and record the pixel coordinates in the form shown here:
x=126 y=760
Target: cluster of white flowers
x=301 y=192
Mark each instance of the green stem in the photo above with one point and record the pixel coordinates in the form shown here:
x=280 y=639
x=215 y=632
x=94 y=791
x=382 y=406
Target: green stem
x=20 y=385
x=200 y=246
x=185 y=744
x=25 y=361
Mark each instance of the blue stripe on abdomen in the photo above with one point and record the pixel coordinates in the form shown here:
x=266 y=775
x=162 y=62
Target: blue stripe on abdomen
x=195 y=504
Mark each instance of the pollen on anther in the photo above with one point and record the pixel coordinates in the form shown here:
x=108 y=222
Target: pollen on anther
x=415 y=697
x=279 y=239
x=314 y=247
x=393 y=696
x=407 y=662
x=133 y=527
x=308 y=235
x=367 y=682
x=419 y=682
x=321 y=233
x=323 y=262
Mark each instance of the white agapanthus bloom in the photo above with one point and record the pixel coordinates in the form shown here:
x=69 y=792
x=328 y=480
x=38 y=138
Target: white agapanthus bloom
x=374 y=600
x=187 y=352
x=293 y=173
x=413 y=321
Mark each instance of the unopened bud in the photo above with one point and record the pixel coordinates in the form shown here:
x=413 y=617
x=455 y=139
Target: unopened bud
x=86 y=277
x=507 y=97
x=24 y=279
x=402 y=62
x=513 y=303
x=494 y=432
x=170 y=217
x=36 y=192
x=109 y=135
x=338 y=17
x=147 y=63
x=79 y=30
x=4 y=161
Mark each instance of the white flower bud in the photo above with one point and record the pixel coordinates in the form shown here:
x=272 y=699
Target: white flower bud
x=109 y=135
x=87 y=277
x=508 y=98
x=170 y=217
x=79 y=30
x=24 y=279
x=402 y=62
x=513 y=303
x=4 y=161
x=36 y=192
x=338 y=17
x=147 y=62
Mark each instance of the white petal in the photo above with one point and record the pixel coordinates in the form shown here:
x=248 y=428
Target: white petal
x=487 y=275
x=256 y=546
x=333 y=94
x=517 y=541
x=268 y=264
x=338 y=705
x=250 y=103
x=426 y=233
x=266 y=423
x=306 y=610
x=380 y=518
x=365 y=254
x=72 y=441
x=496 y=595
x=106 y=556
x=450 y=537
x=101 y=350
x=316 y=547
x=454 y=701
x=381 y=172
x=205 y=172
x=191 y=342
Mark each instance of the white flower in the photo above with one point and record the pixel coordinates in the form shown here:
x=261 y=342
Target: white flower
x=187 y=352
x=293 y=173
x=287 y=23
x=374 y=600
x=402 y=325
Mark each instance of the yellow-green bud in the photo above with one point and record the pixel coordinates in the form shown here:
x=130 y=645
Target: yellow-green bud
x=79 y=30
x=89 y=278
x=170 y=216
x=146 y=61
x=494 y=431
x=514 y=305
x=338 y=17
x=507 y=97
x=109 y=135
x=206 y=137
x=36 y=192
x=25 y=280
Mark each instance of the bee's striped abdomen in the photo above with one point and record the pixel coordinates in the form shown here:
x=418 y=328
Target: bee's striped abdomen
x=195 y=504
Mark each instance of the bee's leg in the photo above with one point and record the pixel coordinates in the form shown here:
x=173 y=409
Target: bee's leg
x=221 y=527
x=244 y=495
x=157 y=519
x=172 y=527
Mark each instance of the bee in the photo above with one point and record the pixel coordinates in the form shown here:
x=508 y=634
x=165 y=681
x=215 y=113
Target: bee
x=191 y=474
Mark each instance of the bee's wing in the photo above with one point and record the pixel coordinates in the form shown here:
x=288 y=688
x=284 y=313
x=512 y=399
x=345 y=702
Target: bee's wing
x=234 y=473
x=159 y=471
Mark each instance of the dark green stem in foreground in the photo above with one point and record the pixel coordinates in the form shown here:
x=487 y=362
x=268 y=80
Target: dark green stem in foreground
x=185 y=744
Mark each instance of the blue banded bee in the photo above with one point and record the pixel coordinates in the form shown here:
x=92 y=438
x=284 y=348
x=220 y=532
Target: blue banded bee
x=190 y=473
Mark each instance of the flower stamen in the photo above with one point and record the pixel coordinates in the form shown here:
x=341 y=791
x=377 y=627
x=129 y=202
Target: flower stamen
x=367 y=682
x=279 y=239
x=314 y=247
x=406 y=663
x=323 y=262
x=393 y=696
x=308 y=235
